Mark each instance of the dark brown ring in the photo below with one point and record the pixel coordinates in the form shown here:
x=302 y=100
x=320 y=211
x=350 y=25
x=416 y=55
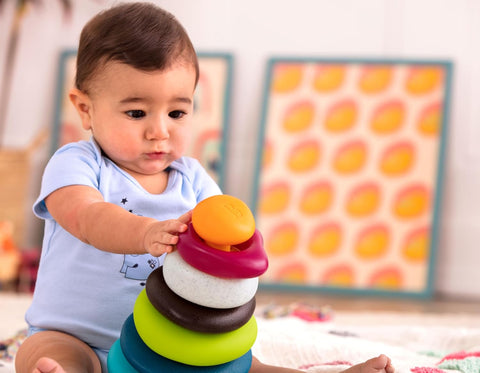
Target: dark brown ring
x=193 y=316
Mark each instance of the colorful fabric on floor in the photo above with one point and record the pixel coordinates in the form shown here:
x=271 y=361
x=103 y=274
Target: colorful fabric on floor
x=9 y=347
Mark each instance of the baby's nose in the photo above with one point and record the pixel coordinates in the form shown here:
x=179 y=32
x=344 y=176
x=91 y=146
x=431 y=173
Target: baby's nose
x=158 y=130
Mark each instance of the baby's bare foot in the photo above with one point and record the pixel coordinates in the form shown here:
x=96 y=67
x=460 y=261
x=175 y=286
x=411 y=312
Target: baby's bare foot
x=379 y=364
x=47 y=365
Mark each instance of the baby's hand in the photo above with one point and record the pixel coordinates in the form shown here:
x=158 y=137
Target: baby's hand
x=162 y=236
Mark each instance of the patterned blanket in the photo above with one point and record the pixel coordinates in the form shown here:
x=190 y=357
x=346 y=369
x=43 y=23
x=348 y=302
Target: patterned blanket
x=318 y=340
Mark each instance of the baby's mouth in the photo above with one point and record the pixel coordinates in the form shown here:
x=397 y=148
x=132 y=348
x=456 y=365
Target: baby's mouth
x=156 y=155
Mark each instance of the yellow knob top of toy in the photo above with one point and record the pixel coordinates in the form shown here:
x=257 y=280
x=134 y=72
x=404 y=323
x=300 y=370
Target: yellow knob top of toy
x=222 y=221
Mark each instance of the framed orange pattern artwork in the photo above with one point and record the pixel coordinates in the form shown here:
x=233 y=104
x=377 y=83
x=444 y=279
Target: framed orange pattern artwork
x=348 y=182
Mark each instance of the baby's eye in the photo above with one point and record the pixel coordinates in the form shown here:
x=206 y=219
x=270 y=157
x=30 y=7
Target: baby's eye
x=135 y=114
x=176 y=114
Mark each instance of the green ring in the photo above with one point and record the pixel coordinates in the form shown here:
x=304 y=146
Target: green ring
x=186 y=346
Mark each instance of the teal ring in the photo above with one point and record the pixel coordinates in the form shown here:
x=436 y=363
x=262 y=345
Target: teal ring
x=117 y=362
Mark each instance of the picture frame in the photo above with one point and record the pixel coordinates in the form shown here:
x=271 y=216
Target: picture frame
x=349 y=175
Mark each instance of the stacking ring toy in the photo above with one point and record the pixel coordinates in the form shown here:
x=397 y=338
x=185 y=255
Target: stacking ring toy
x=143 y=359
x=203 y=289
x=193 y=316
x=187 y=346
x=249 y=261
x=222 y=221
x=116 y=361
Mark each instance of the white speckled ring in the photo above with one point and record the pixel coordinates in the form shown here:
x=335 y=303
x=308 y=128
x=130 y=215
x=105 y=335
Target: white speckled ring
x=204 y=289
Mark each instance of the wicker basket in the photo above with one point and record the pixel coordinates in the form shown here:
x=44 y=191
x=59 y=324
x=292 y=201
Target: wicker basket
x=15 y=182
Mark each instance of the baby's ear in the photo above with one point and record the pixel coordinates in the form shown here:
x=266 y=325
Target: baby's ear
x=82 y=103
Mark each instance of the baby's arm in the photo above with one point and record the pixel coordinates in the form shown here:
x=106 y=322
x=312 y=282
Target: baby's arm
x=82 y=211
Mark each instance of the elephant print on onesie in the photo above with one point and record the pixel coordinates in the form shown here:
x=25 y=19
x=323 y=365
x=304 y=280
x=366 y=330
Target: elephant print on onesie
x=138 y=266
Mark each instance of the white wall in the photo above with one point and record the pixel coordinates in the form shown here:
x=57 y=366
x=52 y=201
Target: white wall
x=253 y=30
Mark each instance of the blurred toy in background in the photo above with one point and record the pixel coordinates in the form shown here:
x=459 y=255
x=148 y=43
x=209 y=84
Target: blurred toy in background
x=18 y=267
x=27 y=273
x=10 y=257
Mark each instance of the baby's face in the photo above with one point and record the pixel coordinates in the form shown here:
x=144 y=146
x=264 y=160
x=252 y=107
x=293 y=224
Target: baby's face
x=141 y=119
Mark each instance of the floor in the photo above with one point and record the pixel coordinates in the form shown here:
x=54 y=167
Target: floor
x=347 y=308
x=359 y=328
x=438 y=304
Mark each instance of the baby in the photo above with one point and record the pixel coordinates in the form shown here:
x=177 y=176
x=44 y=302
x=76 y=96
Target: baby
x=114 y=206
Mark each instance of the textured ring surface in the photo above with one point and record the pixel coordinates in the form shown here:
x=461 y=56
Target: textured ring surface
x=193 y=316
x=204 y=289
x=117 y=362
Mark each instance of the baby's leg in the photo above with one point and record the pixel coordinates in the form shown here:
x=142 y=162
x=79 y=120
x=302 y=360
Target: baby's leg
x=55 y=352
x=380 y=364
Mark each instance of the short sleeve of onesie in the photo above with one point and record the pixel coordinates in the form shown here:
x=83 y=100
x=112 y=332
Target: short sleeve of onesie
x=73 y=164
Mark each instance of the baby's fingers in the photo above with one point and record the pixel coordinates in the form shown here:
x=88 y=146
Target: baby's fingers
x=158 y=249
x=162 y=236
x=176 y=226
x=161 y=243
x=186 y=218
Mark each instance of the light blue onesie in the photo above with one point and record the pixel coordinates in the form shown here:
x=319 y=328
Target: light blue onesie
x=87 y=292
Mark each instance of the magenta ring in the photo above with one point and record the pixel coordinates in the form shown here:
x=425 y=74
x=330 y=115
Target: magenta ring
x=249 y=261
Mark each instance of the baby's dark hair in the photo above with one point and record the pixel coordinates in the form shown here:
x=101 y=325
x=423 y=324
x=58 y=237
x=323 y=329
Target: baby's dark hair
x=141 y=35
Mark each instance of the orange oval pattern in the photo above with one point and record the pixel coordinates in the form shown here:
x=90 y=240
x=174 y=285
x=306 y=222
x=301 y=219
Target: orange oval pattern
x=388 y=117
x=316 y=198
x=423 y=79
x=304 y=156
x=328 y=78
x=299 y=116
x=341 y=275
x=397 y=159
x=295 y=273
x=411 y=202
x=325 y=240
x=375 y=79
x=373 y=242
x=387 y=278
x=283 y=239
x=363 y=200
x=274 y=198
x=287 y=78
x=341 y=116
x=430 y=120
x=350 y=158
x=416 y=246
